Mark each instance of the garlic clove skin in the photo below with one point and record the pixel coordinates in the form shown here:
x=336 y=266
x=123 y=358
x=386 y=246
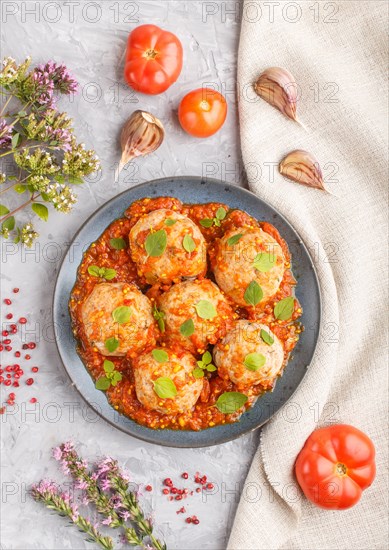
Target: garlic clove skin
x=142 y=134
x=278 y=87
x=302 y=167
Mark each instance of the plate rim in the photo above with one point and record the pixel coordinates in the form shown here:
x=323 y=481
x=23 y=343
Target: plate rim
x=145 y=437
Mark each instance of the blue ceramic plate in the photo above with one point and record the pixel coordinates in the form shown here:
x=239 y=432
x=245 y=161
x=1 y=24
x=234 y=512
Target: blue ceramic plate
x=191 y=190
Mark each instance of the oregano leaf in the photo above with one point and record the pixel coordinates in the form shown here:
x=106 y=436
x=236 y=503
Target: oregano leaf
x=160 y=355
x=254 y=361
x=187 y=328
x=253 y=294
x=40 y=210
x=165 y=388
x=155 y=243
x=230 y=401
x=283 y=309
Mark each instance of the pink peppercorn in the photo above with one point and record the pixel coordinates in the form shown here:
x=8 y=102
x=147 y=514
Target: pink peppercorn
x=22 y=320
x=29 y=381
x=7 y=301
x=148 y=488
x=185 y=475
x=15 y=290
x=33 y=400
x=17 y=353
x=34 y=369
x=27 y=357
x=9 y=316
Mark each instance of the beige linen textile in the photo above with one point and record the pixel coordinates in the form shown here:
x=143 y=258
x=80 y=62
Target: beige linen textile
x=338 y=56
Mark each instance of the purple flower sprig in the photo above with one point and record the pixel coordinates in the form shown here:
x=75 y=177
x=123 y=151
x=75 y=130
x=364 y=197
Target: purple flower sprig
x=47 y=493
x=110 y=476
x=38 y=144
x=101 y=492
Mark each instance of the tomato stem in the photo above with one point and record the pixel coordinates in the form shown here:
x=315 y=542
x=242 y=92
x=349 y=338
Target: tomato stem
x=341 y=469
x=151 y=54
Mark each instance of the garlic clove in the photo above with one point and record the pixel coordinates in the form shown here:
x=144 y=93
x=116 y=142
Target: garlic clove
x=142 y=134
x=278 y=87
x=302 y=167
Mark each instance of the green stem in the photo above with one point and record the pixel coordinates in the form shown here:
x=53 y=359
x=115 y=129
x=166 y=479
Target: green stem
x=31 y=199
x=56 y=503
x=23 y=147
x=5 y=105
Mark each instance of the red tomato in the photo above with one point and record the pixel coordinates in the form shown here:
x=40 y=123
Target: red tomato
x=335 y=466
x=202 y=112
x=153 y=59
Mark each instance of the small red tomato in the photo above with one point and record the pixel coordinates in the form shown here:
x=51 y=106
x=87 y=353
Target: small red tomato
x=153 y=59
x=202 y=112
x=335 y=466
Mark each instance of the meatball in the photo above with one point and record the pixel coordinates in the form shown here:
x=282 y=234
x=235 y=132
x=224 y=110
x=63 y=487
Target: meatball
x=176 y=371
x=246 y=255
x=114 y=331
x=183 y=254
x=235 y=360
x=196 y=314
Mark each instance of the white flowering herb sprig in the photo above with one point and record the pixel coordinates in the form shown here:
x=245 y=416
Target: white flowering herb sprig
x=40 y=158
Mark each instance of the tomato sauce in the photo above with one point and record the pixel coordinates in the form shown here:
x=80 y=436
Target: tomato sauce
x=123 y=397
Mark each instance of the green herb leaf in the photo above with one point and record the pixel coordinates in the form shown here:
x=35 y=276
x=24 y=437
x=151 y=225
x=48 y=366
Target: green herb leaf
x=221 y=213
x=253 y=294
x=264 y=261
x=103 y=383
x=41 y=210
x=15 y=140
x=266 y=337
x=254 y=361
x=165 y=388
x=170 y=222
x=122 y=314
x=283 y=309
x=74 y=180
x=188 y=243
x=108 y=366
x=118 y=244
x=211 y=367
x=206 y=358
x=3 y=210
x=230 y=402
x=9 y=224
x=198 y=372
x=94 y=270
x=206 y=222
x=156 y=243
x=234 y=239
x=205 y=309
x=111 y=344
x=20 y=188
x=22 y=113
x=117 y=377
x=103 y=272
x=59 y=178
x=160 y=355
x=108 y=274
x=187 y=328
x=159 y=317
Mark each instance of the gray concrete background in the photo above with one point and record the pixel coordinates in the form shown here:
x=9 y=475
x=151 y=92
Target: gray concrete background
x=90 y=38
